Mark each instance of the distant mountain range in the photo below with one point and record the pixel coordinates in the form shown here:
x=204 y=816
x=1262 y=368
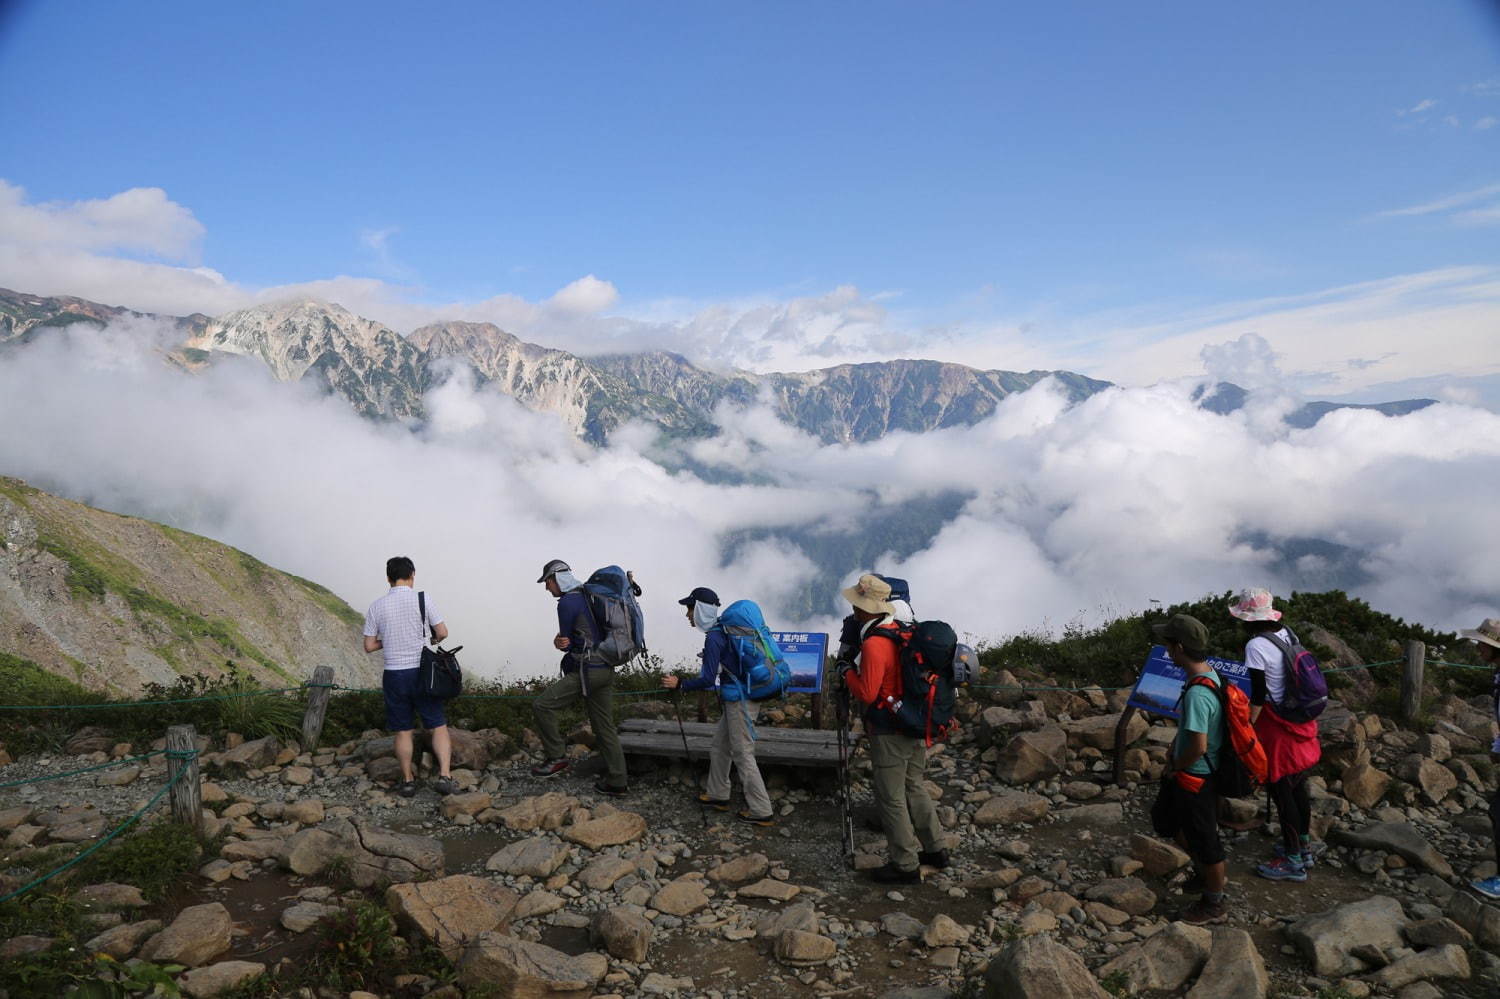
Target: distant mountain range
x=385 y=375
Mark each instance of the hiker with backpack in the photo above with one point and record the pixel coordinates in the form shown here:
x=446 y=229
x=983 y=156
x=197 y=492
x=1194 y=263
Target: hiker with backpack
x=1287 y=693
x=901 y=611
x=397 y=625
x=587 y=675
x=892 y=715
x=734 y=738
x=1187 y=806
x=1487 y=638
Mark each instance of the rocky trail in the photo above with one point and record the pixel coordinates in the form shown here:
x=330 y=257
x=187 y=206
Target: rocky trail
x=532 y=887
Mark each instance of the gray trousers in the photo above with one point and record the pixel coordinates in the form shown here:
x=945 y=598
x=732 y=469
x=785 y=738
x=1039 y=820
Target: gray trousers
x=906 y=813
x=598 y=704
x=732 y=746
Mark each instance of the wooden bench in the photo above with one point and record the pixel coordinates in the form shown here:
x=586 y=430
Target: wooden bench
x=806 y=747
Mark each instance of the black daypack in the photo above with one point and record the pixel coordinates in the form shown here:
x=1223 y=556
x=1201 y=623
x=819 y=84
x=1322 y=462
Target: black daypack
x=438 y=674
x=928 y=702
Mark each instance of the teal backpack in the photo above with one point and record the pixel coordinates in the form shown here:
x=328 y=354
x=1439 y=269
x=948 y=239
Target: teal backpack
x=758 y=673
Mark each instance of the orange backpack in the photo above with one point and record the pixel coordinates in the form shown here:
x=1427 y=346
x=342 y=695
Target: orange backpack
x=1241 y=771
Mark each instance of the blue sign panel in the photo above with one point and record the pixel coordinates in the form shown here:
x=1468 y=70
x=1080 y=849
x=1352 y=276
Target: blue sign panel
x=1160 y=685
x=805 y=653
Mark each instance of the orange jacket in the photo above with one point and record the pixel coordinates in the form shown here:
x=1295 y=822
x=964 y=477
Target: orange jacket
x=879 y=673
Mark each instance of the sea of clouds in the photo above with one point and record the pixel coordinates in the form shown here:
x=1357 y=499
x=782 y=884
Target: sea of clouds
x=1070 y=513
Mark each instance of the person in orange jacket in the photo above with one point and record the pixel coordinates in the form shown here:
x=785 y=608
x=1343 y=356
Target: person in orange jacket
x=912 y=831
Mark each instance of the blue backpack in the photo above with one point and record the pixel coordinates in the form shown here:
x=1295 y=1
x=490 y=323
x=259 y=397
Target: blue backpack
x=618 y=620
x=758 y=672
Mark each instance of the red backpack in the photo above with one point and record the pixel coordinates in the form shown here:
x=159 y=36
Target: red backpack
x=1241 y=771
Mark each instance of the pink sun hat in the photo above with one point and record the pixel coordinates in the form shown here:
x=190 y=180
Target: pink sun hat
x=1254 y=604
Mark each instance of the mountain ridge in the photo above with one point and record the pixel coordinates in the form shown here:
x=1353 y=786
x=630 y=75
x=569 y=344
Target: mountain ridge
x=385 y=375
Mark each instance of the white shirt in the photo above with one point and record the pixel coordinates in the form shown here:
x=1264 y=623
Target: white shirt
x=396 y=621
x=1262 y=654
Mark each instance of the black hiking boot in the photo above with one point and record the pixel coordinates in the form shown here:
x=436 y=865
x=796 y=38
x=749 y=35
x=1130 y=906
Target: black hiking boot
x=937 y=858
x=890 y=874
x=550 y=768
x=613 y=790
x=1204 y=912
x=756 y=820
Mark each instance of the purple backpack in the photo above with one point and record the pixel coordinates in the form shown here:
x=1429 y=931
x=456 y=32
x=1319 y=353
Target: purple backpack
x=1306 y=693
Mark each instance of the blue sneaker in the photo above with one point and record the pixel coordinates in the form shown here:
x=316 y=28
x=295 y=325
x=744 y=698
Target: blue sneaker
x=1283 y=869
x=1312 y=850
x=1489 y=887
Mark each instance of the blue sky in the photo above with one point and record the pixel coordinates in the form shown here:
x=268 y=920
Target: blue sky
x=1055 y=170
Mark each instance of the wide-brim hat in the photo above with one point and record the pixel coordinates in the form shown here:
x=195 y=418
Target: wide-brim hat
x=1488 y=632
x=1254 y=604
x=871 y=594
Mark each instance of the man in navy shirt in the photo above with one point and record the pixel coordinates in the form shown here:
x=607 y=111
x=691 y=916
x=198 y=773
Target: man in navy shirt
x=733 y=744
x=582 y=677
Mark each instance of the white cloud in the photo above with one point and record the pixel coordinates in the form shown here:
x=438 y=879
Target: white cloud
x=586 y=296
x=1134 y=494
x=1446 y=204
x=142 y=219
x=1487 y=122
x=1417 y=108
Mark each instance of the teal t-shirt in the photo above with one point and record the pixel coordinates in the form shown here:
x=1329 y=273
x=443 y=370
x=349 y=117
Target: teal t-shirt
x=1201 y=713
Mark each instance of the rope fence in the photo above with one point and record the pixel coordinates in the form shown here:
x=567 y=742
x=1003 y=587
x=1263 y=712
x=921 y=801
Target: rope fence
x=156 y=798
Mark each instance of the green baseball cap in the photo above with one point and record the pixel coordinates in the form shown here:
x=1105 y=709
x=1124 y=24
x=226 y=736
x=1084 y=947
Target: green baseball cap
x=1184 y=629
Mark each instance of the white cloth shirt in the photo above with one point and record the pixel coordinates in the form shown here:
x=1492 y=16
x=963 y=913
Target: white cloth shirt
x=1262 y=654
x=396 y=621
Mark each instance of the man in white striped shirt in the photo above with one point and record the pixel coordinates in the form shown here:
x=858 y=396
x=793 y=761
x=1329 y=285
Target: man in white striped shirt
x=396 y=626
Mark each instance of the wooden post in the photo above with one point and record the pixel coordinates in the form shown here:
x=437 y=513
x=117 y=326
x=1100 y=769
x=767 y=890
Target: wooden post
x=703 y=705
x=320 y=691
x=1411 y=681
x=817 y=709
x=1120 y=731
x=187 y=792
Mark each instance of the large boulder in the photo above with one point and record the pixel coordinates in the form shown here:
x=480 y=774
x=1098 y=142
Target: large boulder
x=452 y=911
x=1434 y=780
x=1447 y=961
x=1033 y=755
x=1479 y=918
x=119 y=942
x=614 y=829
x=1401 y=838
x=801 y=949
x=625 y=934
x=1328 y=940
x=1011 y=806
x=520 y=969
x=1157 y=856
x=540 y=811
x=1099 y=731
x=254 y=755
x=998 y=724
x=537 y=857
x=1235 y=969
x=1165 y=962
x=750 y=867
x=1126 y=894
x=681 y=897
x=199 y=934
x=1364 y=785
x=1038 y=967
x=602 y=872
x=372 y=854
x=216 y=979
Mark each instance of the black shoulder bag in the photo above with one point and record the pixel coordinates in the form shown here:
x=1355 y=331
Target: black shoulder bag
x=440 y=676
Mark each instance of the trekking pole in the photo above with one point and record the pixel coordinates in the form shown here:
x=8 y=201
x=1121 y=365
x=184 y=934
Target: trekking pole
x=846 y=804
x=686 y=752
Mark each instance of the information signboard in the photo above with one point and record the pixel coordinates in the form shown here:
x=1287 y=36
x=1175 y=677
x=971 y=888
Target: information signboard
x=1159 y=687
x=805 y=653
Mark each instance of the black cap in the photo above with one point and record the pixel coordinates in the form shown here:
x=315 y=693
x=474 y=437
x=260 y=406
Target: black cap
x=700 y=595
x=553 y=568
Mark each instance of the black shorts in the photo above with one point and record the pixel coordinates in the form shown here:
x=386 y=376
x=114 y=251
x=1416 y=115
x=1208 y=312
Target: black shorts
x=1193 y=814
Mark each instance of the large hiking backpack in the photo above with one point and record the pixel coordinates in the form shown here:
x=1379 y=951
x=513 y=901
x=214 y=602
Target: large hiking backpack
x=928 y=701
x=1242 y=761
x=759 y=672
x=1306 y=693
x=618 y=620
